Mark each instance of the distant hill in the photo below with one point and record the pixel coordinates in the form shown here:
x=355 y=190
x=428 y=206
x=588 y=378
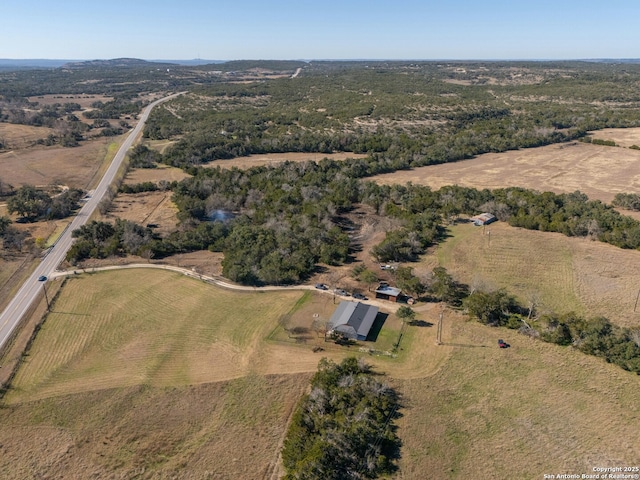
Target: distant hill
x=117 y=63
x=17 y=64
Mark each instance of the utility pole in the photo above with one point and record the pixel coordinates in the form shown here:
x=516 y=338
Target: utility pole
x=636 y=305
x=439 y=331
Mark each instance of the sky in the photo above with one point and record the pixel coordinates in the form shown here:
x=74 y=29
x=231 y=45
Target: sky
x=321 y=29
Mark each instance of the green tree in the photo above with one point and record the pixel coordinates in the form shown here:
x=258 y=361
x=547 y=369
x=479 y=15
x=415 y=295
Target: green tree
x=29 y=203
x=406 y=314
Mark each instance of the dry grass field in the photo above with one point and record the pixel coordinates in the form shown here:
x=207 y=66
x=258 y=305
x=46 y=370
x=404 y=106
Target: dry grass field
x=151 y=374
x=15 y=136
x=155 y=208
x=564 y=274
x=598 y=171
x=162 y=172
x=517 y=413
x=75 y=167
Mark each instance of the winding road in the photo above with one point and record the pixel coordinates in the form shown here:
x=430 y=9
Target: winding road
x=32 y=289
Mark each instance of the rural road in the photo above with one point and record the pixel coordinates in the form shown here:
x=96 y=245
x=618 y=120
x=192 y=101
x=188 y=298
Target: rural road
x=32 y=288
x=220 y=282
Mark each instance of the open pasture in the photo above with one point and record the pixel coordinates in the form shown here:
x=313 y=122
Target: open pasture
x=14 y=136
x=230 y=429
x=561 y=274
x=147 y=208
x=162 y=172
x=135 y=327
x=520 y=412
x=598 y=171
x=76 y=167
x=83 y=100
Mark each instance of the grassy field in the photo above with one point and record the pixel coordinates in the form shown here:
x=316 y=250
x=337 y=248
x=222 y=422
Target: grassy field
x=518 y=413
x=525 y=263
x=149 y=373
x=145 y=327
x=563 y=274
x=598 y=171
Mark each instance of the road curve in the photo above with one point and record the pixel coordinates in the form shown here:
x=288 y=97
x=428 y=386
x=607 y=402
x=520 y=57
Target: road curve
x=388 y=306
x=32 y=288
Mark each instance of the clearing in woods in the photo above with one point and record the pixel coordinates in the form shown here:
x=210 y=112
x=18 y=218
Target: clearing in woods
x=598 y=171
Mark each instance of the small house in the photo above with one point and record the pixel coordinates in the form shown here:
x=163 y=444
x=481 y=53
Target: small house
x=385 y=292
x=353 y=319
x=483 y=219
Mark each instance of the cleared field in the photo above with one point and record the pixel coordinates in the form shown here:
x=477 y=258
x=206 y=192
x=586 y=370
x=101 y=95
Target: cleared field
x=519 y=412
x=145 y=327
x=75 y=167
x=132 y=327
x=162 y=172
x=152 y=374
x=219 y=430
x=563 y=274
x=84 y=101
x=155 y=208
x=598 y=171
x=21 y=136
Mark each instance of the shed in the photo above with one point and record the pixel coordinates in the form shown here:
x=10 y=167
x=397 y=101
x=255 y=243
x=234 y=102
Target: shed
x=483 y=219
x=386 y=292
x=353 y=319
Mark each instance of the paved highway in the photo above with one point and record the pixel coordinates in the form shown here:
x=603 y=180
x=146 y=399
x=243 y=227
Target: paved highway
x=32 y=288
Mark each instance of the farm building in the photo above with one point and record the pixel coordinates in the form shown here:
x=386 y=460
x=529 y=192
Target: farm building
x=386 y=292
x=353 y=319
x=483 y=219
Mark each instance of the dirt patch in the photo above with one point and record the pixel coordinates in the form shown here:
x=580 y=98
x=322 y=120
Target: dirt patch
x=598 y=171
x=277 y=158
x=147 y=208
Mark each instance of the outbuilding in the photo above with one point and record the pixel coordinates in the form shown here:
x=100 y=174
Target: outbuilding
x=483 y=219
x=385 y=292
x=353 y=320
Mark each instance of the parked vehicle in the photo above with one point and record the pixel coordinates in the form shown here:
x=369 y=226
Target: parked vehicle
x=340 y=291
x=359 y=296
x=321 y=286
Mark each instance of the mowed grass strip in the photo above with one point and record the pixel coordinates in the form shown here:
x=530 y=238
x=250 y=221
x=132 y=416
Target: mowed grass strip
x=526 y=263
x=131 y=327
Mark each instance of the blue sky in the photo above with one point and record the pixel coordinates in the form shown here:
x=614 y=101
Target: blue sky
x=329 y=29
